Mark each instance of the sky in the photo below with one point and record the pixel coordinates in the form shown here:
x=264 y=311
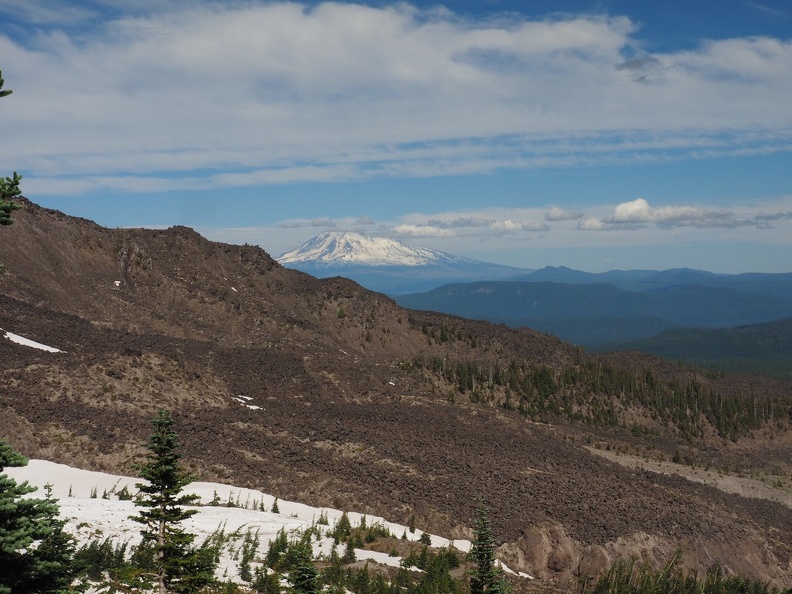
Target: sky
x=594 y=134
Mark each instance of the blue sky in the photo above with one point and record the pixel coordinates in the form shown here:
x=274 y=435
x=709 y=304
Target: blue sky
x=590 y=134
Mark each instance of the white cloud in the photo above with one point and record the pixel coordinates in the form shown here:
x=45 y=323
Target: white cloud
x=511 y=226
x=420 y=231
x=556 y=213
x=451 y=225
x=639 y=213
x=593 y=224
x=272 y=93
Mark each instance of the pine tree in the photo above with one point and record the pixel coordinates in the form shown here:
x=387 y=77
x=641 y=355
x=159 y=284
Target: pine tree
x=485 y=577
x=277 y=550
x=9 y=186
x=304 y=577
x=178 y=567
x=9 y=189
x=266 y=581
x=2 y=82
x=349 y=553
x=36 y=555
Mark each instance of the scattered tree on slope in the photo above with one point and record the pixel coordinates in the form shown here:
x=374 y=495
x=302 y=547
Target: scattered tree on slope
x=596 y=392
x=485 y=577
x=177 y=565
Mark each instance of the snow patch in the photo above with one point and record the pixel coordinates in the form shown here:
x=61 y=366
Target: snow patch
x=245 y=401
x=88 y=515
x=29 y=343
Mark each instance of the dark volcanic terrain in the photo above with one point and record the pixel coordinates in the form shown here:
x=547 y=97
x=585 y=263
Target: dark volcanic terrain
x=323 y=392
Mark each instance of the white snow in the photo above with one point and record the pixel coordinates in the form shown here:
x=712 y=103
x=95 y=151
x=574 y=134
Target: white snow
x=29 y=343
x=88 y=515
x=245 y=401
x=334 y=248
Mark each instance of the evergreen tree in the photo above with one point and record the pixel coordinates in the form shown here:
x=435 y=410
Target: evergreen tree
x=485 y=577
x=266 y=581
x=178 y=567
x=342 y=528
x=334 y=572
x=36 y=555
x=277 y=550
x=304 y=577
x=9 y=186
x=2 y=82
x=349 y=553
x=9 y=189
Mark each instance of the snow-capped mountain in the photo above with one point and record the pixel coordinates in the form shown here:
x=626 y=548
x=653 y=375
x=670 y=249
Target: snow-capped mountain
x=333 y=249
x=388 y=265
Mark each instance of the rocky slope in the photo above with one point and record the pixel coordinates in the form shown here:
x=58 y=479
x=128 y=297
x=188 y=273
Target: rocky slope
x=306 y=388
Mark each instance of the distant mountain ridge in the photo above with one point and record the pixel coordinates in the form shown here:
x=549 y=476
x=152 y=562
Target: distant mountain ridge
x=387 y=265
x=779 y=284
x=594 y=314
x=759 y=348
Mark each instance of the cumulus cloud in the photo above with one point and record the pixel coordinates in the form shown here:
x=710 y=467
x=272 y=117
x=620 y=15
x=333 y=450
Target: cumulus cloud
x=639 y=213
x=556 y=213
x=283 y=92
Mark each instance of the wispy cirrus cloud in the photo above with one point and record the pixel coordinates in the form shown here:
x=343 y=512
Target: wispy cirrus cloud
x=245 y=94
